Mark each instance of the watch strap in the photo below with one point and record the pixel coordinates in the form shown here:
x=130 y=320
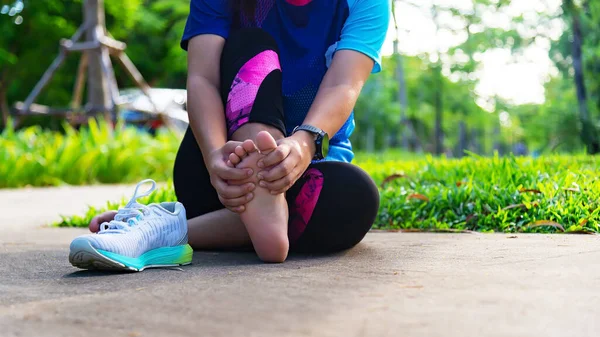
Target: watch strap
x=309 y=128
x=318 y=140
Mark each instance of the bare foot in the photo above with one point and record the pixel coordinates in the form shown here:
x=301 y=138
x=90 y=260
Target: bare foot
x=266 y=216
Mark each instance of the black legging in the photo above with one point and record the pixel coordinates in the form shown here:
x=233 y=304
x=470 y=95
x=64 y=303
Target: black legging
x=331 y=207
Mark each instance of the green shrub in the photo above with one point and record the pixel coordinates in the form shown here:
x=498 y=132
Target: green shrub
x=95 y=154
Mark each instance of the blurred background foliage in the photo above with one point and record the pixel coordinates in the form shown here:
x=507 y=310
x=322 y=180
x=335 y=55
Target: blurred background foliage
x=423 y=102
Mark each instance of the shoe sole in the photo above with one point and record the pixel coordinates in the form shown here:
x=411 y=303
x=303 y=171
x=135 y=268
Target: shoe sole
x=84 y=256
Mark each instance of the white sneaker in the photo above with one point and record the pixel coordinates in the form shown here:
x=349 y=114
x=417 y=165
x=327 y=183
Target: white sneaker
x=139 y=237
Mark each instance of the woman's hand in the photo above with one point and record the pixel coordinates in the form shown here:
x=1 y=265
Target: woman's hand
x=232 y=196
x=287 y=163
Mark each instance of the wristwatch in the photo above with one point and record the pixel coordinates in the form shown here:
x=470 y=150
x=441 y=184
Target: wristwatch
x=321 y=140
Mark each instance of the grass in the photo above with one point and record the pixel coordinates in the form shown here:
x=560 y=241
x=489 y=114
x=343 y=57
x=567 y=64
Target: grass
x=548 y=194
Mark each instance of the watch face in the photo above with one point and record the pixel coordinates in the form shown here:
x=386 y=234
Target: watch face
x=325 y=146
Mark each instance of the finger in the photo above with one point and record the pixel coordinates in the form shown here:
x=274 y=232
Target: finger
x=230 y=173
x=288 y=186
x=238 y=209
x=278 y=185
x=236 y=202
x=275 y=157
x=231 y=145
x=277 y=172
x=227 y=191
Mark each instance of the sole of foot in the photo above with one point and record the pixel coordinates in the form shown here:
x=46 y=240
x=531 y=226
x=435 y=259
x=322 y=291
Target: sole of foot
x=266 y=216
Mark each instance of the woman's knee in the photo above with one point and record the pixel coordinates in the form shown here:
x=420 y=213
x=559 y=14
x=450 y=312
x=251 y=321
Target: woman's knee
x=364 y=205
x=250 y=130
x=345 y=212
x=356 y=192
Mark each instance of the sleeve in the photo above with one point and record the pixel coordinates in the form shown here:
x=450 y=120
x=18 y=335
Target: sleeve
x=366 y=28
x=207 y=17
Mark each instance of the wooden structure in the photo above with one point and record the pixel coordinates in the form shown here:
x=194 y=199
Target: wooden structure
x=96 y=47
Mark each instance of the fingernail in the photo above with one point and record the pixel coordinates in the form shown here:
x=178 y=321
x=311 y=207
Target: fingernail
x=260 y=164
x=240 y=209
x=260 y=176
x=249 y=196
x=251 y=187
x=263 y=184
x=249 y=172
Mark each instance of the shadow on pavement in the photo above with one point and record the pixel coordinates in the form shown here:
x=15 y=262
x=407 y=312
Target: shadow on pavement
x=211 y=260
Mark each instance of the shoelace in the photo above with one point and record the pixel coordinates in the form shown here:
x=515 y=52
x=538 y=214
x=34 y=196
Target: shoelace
x=130 y=215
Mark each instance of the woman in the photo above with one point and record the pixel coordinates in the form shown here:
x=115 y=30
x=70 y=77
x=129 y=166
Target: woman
x=268 y=82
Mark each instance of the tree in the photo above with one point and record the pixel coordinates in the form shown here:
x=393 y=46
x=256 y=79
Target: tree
x=589 y=133
x=44 y=23
x=409 y=135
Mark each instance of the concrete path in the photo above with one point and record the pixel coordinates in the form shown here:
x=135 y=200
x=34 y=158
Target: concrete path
x=390 y=285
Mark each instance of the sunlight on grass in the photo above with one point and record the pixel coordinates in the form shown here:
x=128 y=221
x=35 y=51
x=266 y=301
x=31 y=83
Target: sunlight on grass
x=510 y=194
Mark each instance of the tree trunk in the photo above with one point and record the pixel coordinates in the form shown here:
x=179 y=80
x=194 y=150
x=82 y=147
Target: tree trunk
x=476 y=143
x=497 y=143
x=589 y=134
x=462 y=138
x=370 y=141
x=438 y=142
x=98 y=89
x=402 y=97
x=438 y=145
x=3 y=105
x=387 y=140
x=409 y=135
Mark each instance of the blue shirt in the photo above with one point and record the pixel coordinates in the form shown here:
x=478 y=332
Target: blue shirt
x=308 y=33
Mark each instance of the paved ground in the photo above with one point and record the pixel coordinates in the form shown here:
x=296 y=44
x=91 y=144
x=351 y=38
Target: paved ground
x=389 y=285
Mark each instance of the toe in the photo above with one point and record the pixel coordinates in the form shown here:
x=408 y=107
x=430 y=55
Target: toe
x=265 y=142
x=240 y=152
x=234 y=159
x=249 y=146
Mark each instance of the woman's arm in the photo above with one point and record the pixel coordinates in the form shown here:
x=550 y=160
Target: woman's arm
x=335 y=100
x=205 y=108
x=357 y=54
x=337 y=94
x=207 y=120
